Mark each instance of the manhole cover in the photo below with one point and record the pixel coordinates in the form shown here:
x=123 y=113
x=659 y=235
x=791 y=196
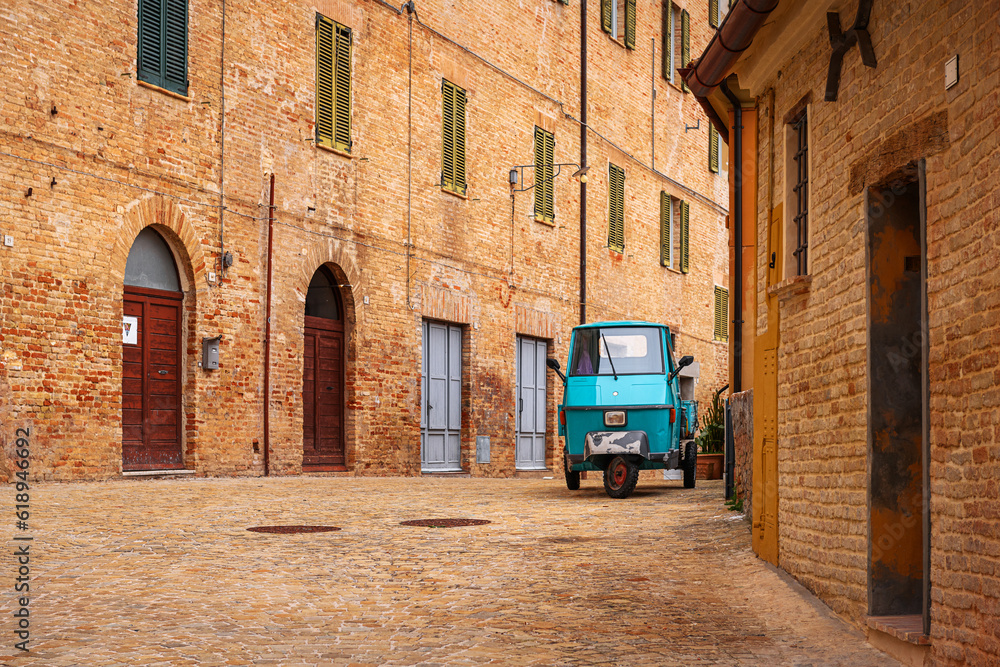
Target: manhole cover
x=289 y=530
x=444 y=523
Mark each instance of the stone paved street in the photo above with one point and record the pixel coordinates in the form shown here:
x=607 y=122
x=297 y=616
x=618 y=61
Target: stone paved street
x=159 y=572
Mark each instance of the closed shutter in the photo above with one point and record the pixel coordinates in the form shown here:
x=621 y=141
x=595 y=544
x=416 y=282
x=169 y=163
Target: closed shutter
x=667 y=47
x=325 y=58
x=721 y=328
x=713 y=13
x=685 y=44
x=162 y=44
x=685 y=237
x=342 y=83
x=545 y=147
x=453 y=135
x=616 y=208
x=606 y=15
x=630 y=24
x=713 y=149
x=666 y=209
x=333 y=84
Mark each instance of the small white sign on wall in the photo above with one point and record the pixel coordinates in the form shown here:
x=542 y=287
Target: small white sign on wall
x=130 y=330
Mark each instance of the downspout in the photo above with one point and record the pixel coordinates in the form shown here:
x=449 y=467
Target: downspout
x=267 y=334
x=737 y=320
x=410 y=8
x=222 y=149
x=583 y=162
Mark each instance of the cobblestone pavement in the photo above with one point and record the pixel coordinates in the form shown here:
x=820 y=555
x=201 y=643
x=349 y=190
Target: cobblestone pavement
x=160 y=572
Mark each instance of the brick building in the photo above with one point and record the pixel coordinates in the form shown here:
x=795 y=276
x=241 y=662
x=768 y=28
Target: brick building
x=141 y=140
x=865 y=206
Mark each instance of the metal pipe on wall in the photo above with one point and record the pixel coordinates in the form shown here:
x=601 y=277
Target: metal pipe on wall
x=267 y=333
x=583 y=162
x=737 y=315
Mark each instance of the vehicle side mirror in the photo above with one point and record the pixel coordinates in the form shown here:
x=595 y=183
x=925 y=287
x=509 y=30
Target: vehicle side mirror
x=686 y=360
x=554 y=365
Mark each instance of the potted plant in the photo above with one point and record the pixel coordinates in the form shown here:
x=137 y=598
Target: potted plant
x=712 y=440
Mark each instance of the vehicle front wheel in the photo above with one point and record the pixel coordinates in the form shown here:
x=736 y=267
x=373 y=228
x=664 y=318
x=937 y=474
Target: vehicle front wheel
x=620 y=477
x=690 y=464
x=572 y=478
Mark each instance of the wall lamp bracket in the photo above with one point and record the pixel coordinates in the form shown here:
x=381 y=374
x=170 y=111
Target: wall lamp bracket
x=516 y=175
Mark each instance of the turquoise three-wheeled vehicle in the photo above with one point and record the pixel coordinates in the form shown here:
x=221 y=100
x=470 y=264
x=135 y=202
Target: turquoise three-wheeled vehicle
x=621 y=410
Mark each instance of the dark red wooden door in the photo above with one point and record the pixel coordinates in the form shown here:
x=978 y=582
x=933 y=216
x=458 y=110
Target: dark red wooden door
x=323 y=395
x=151 y=387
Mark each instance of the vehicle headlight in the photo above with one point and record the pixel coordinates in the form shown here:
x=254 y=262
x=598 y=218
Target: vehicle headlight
x=614 y=418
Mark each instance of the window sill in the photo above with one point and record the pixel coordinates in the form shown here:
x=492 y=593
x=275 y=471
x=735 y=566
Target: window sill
x=548 y=223
x=791 y=287
x=909 y=629
x=168 y=93
x=336 y=151
x=456 y=194
x=673 y=85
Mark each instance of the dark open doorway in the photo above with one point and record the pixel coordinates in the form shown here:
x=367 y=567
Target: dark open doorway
x=897 y=377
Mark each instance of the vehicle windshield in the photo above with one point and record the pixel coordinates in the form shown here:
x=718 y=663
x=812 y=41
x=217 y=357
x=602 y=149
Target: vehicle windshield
x=632 y=350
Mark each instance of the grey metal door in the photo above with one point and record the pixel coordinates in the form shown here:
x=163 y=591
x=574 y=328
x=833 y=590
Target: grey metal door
x=441 y=399
x=530 y=423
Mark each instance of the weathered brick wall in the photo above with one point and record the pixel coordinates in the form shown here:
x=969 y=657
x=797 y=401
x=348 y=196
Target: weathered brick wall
x=822 y=359
x=471 y=261
x=741 y=409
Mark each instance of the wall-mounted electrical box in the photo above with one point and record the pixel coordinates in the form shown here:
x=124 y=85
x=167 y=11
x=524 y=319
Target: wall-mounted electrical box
x=210 y=353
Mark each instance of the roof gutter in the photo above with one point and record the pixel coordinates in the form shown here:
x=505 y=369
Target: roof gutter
x=732 y=38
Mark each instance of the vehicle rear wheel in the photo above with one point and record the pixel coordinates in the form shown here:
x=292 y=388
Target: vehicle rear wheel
x=690 y=464
x=620 y=477
x=572 y=478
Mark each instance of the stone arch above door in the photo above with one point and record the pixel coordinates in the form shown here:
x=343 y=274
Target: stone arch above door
x=173 y=225
x=332 y=254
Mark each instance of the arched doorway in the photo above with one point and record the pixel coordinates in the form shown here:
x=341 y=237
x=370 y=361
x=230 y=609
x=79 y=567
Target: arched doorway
x=151 y=356
x=323 y=375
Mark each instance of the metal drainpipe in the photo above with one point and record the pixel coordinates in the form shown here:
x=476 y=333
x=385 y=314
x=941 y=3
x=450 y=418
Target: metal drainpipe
x=583 y=162
x=737 y=319
x=267 y=335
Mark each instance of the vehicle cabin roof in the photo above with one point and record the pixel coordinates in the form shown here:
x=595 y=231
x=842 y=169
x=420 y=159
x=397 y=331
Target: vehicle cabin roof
x=596 y=325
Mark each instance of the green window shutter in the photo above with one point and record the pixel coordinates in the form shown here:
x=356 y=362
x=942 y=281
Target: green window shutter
x=453 y=135
x=685 y=237
x=667 y=46
x=342 y=89
x=666 y=209
x=685 y=43
x=606 y=15
x=713 y=148
x=460 y=183
x=150 y=56
x=713 y=13
x=324 y=81
x=545 y=147
x=721 y=327
x=448 y=136
x=616 y=208
x=630 y=24
x=175 y=46
x=162 y=44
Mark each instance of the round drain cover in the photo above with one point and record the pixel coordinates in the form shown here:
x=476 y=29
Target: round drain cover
x=444 y=523
x=289 y=530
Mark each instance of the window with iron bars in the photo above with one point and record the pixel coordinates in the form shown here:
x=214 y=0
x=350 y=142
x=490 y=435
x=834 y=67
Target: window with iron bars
x=800 y=132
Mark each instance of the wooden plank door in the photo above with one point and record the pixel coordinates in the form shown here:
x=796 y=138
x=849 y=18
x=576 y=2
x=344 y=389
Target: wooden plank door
x=441 y=398
x=764 y=508
x=151 y=386
x=323 y=395
x=530 y=408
